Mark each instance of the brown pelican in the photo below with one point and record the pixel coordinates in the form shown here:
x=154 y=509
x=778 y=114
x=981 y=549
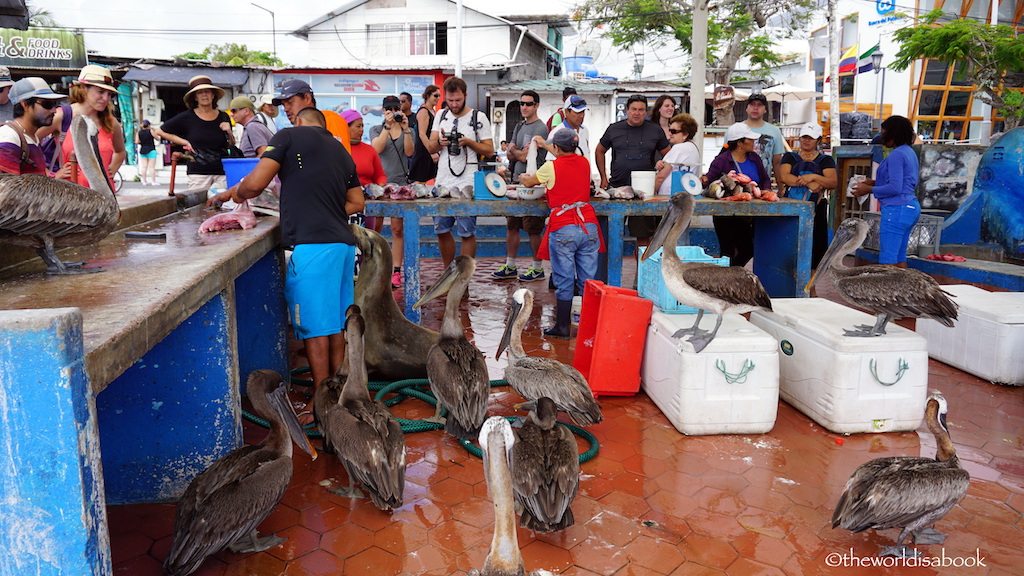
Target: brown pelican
x=328 y=392
x=702 y=285
x=906 y=492
x=223 y=505
x=396 y=349
x=504 y=558
x=546 y=465
x=456 y=368
x=533 y=377
x=44 y=213
x=884 y=290
x=367 y=437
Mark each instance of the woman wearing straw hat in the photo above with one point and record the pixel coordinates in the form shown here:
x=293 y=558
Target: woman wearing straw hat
x=204 y=130
x=92 y=95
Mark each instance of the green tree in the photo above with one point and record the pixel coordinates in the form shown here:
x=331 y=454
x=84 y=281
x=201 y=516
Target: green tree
x=990 y=57
x=736 y=29
x=40 y=17
x=234 y=55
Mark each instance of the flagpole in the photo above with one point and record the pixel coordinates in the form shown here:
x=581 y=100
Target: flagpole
x=833 y=64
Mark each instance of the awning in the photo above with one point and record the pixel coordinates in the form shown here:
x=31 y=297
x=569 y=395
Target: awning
x=181 y=74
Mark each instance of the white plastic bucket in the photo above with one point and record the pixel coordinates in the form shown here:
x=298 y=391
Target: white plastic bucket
x=643 y=180
x=577 y=305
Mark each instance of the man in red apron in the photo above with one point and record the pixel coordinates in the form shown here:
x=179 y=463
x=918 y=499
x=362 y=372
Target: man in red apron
x=572 y=239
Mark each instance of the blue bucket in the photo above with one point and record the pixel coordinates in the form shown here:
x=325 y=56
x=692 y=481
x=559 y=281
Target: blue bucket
x=236 y=168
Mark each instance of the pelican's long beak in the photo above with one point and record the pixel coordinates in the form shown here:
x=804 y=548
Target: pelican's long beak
x=837 y=248
x=513 y=313
x=442 y=286
x=279 y=401
x=672 y=218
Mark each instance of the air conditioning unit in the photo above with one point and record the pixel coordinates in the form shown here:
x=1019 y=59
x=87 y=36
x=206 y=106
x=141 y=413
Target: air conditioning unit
x=497 y=115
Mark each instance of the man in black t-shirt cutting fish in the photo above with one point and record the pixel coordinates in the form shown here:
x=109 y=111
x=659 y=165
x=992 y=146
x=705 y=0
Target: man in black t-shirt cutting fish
x=319 y=189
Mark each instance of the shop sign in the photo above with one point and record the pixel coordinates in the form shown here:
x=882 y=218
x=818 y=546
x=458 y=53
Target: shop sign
x=45 y=48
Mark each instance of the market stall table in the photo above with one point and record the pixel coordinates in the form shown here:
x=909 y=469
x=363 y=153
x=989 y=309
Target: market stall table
x=782 y=233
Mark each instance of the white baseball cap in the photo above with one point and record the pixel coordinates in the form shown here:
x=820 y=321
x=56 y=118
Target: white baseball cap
x=740 y=130
x=811 y=129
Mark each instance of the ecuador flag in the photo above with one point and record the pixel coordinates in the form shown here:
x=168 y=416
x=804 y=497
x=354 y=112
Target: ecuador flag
x=848 y=62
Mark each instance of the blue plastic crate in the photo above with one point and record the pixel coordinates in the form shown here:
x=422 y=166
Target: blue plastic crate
x=652 y=287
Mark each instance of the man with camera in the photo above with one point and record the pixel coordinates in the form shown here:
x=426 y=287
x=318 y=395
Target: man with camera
x=462 y=136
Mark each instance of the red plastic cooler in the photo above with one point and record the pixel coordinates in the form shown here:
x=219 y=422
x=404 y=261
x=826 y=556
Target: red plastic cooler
x=610 y=340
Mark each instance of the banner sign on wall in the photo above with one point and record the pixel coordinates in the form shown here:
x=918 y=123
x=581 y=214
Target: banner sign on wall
x=42 y=48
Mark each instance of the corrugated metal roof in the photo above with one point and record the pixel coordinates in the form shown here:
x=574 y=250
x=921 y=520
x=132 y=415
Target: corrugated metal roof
x=591 y=86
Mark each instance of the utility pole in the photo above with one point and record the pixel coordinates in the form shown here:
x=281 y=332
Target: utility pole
x=458 y=38
x=698 y=68
x=833 y=73
x=273 y=27
x=986 y=110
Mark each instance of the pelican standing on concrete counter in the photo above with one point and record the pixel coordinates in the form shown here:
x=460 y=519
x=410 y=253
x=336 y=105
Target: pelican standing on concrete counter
x=396 y=349
x=44 y=213
x=503 y=558
x=906 y=492
x=535 y=377
x=882 y=289
x=367 y=437
x=455 y=367
x=224 y=504
x=702 y=285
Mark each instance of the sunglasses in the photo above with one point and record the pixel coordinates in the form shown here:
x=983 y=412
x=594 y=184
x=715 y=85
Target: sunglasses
x=47 y=104
x=392 y=109
x=522 y=103
x=674 y=131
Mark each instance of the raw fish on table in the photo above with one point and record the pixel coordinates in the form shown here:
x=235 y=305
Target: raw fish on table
x=241 y=217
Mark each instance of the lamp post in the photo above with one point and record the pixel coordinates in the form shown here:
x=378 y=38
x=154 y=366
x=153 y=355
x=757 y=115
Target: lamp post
x=876 y=64
x=273 y=27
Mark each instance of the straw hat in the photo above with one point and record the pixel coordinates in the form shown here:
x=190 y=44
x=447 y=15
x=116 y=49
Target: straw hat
x=197 y=83
x=93 y=75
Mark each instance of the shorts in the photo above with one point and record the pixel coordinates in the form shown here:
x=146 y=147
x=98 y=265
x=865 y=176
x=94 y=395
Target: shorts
x=319 y=287
x=149 y=155
x=465 y=226
x=642 y=226
x=532 y=224
x=207 y=181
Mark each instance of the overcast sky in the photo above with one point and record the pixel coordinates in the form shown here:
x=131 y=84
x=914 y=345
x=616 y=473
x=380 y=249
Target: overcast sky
x=163 y=28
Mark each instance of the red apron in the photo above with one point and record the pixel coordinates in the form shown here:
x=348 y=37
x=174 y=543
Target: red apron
x=569 y=199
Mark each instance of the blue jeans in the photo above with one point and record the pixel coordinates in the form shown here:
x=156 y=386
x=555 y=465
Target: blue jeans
x=894 y=231
x=573 y=255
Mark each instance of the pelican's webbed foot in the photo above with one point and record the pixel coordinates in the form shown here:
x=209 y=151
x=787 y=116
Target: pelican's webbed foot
x=929 y=536
x=702 y=338
x=899 y=552
x=437 y=418
x=252 y=543
x=863 y=330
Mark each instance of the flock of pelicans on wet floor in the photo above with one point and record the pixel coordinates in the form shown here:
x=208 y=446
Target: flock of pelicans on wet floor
x=534 y=470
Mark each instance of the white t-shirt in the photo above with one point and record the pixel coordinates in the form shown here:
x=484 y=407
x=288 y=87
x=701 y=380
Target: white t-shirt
x=458 y=170
x=684 y=153
x=583 y=149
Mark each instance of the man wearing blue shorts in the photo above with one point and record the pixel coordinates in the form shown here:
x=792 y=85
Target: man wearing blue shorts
x=319 y=189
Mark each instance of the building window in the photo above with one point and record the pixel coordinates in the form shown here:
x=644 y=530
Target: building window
x=416 y=39
x=385 y=39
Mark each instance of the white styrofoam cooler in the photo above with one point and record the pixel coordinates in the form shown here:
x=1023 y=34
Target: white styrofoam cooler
x=731 y=387
x=986 y=340
x=847 y=384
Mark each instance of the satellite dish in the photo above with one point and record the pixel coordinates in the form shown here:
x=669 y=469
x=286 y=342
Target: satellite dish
x=591 y=48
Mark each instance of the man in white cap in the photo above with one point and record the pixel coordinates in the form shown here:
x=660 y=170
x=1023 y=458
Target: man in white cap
x=6 y=106
x=266 y=111
x=34 y=104
x=574 y=111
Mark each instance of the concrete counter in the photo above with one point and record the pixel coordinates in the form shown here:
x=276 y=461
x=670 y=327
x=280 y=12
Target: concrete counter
x=121 y=386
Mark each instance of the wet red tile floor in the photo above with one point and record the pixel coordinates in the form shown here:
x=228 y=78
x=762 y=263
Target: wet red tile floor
x=652 y=502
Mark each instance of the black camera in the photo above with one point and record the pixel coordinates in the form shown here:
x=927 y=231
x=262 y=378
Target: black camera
x=398 y=117
x=454 y=149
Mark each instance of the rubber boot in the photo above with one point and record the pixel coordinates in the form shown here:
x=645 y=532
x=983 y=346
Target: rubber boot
x=563 y=313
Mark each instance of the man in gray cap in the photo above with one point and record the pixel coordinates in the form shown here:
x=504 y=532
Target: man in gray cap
x=34 y=105
x=296 y=95
x=6 y=106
